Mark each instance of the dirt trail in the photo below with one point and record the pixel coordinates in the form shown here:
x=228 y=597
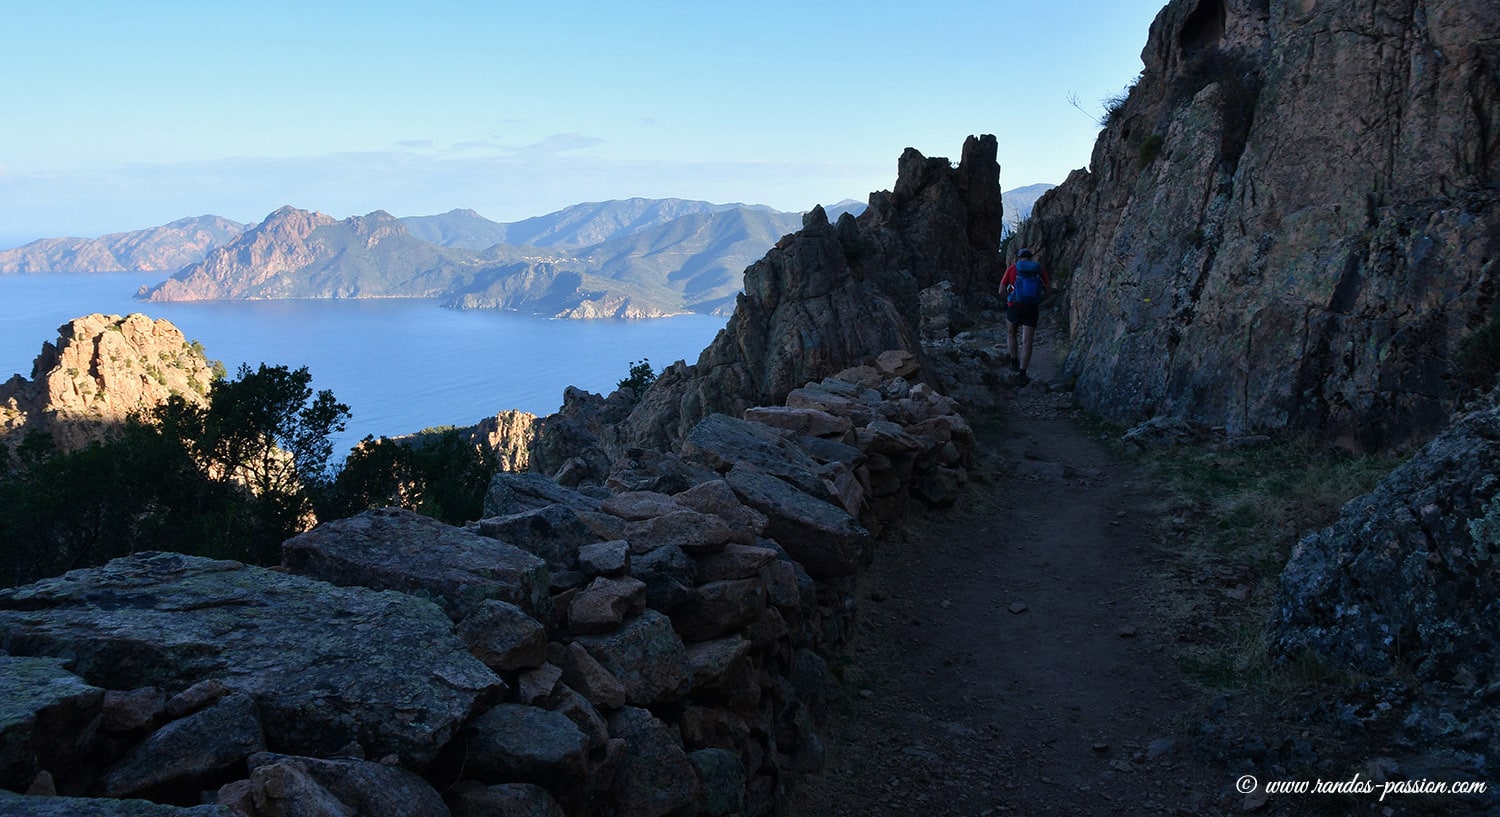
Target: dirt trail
x=1012 y=655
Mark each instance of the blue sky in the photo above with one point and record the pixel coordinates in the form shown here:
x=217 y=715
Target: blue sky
x=122 y=115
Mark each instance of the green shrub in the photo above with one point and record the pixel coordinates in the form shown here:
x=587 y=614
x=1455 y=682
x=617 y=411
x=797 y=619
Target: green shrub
x=437 y=473
x=640 y=379
x=1150 y=148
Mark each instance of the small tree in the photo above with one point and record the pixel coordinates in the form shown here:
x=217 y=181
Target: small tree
x=267 y=430
x=438 y=474
x=641 y=377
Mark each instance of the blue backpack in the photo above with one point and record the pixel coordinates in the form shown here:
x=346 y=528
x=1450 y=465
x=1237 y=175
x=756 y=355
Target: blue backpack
x=1028 y=287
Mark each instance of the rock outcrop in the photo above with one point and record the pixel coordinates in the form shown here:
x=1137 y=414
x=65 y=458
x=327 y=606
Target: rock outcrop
x=833 y=296
x=1403 y=588
x=302 y=254
x=163 y=248
x=1291 y=222
x=509 y=434
x=101 y=369
x=326 y=666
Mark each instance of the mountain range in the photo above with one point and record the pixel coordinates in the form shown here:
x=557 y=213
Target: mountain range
x=163 y=248
x=631 y=258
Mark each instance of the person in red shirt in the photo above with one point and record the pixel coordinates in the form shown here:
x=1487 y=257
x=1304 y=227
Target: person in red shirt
x=1024 y=285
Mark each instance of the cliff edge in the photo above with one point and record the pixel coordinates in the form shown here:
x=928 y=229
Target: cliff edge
x=101 y=369
x=1291 y=222
x=836 y=295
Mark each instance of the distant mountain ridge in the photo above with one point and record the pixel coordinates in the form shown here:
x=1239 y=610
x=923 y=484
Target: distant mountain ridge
x=1019 y=201
x=632 y=258
x=163 y=248
x=302 y=254
x=657 y=258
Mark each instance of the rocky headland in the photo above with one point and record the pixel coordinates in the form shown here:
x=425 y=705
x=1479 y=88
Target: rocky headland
x=633 y=259
x=101 y=369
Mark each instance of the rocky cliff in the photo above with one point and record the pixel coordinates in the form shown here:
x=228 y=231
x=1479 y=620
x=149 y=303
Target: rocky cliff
x=833 y=296
x=1402 y=591
x=302 y=254
x=101 y=369
x=167 y=247
x=1291 y=222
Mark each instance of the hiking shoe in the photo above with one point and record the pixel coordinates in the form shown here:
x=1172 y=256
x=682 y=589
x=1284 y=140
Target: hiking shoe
x=1021 y=377
x=1015 y=363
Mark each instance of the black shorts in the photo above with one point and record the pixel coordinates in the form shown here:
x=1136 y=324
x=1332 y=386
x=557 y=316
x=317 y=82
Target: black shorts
x=1022 y=314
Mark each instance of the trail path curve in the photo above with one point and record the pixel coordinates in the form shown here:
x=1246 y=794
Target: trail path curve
x=1013 y=656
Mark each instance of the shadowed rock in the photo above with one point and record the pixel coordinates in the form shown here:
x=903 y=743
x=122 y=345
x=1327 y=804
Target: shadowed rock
x=825 y=539
x=193 y=748
x=511 y=493
x=514 y=743
x=381 y=668
x=646 y=656
x=657 y=777
x=285 y=786
x=16 y=805
x=394 y=549
x=471 y=799
x=1405 y=579
x=553 y=532
x=47 y=716
x=504 y=637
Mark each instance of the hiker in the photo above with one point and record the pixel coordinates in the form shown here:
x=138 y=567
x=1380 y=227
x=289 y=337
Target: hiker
x=1024 y=285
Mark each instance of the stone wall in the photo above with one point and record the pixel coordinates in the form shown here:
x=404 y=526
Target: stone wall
x=659 y=647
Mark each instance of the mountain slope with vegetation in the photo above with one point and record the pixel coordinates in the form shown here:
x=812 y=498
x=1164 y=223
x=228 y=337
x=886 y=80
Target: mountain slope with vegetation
x=656 y=258
x=300 y=254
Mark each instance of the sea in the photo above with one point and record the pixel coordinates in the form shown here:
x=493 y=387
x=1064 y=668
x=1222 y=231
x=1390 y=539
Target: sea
x=401 y=365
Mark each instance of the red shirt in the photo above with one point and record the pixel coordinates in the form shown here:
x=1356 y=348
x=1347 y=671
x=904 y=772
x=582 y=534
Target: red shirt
x=1009 y=280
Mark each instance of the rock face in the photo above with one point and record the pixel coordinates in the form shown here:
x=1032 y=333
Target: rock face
x=165 y=248
x=1404 y=586
x=102 y=368
x=298 y=253
x=47 y=716
x=1291 y=223
x=509 y=434
x=325 y=665
x=835 y=295
x=394 y=549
